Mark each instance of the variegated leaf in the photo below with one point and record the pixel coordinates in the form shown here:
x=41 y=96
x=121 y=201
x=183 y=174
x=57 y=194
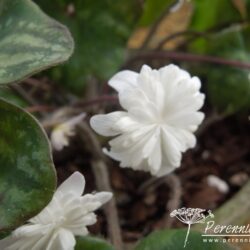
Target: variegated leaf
x=27 y=173
x=30 y=41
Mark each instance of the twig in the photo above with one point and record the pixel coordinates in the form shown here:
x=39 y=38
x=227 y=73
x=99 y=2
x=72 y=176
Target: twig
x=178 y=34
x=40 y=108
x=174 y=184
x=181 y=56
x=75 y=108
x=175 y=198
x=100 y=170
x=96 y=101
x=37 y=83
x=209 y=121
x=20 y=91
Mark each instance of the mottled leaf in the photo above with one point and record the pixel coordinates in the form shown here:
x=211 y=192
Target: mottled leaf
x=174 y=240
x=91 y=243
x=30 y=41
x=27 y=176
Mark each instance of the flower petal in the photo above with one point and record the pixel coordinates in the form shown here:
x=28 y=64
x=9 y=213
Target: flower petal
x=189 y=121
x=105 y=124
x=155 y=158
x=164 y=170
x=128 y=147
x=170 y=75
x=21 y=243
x=171 y=149
x=49 y=213
x=30 y=230
x=62 y=240
x=123 y=80
x=75 y=184
x=103 y=197
x=150 y=83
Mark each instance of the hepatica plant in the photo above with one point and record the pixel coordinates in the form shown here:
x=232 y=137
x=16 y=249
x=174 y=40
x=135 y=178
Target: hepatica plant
x=161 y=114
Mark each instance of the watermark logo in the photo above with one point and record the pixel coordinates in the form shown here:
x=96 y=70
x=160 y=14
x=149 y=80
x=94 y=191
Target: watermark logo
x=213 y=232
x=191 y=216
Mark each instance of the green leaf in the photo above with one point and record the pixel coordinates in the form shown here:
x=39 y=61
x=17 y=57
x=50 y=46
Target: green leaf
x=153 y=9
x=101 y=30
x=228 y=87
x=27 y=176
x=209 y=14
x=174 y=240
x=91 y=243
x=30 y=41
x=203 y=20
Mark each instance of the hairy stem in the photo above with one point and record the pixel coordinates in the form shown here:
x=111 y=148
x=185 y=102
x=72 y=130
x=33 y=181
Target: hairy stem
x=97 y=100
x=182 y=56
x=169 y=38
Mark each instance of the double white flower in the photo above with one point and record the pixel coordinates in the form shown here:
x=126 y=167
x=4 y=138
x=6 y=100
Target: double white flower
x=161 y=114
x=67 y=215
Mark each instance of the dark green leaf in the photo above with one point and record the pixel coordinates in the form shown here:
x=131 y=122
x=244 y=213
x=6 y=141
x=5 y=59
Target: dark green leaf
x=27 y=176
x=207 y=16
x=100 y=30
x=228 y=87
x=210 y=14
x=174 y=240
x=30 y=41
x=91 y=243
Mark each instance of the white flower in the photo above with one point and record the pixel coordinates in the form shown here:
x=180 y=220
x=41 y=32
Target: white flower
x=160 y=118
x=66 y=215
x=61 y=133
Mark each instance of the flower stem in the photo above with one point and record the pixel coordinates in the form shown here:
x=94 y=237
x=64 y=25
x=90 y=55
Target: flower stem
x=101 y=173
x=98 y=100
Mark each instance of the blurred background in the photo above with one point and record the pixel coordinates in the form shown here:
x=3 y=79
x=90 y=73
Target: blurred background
x=210 y=39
